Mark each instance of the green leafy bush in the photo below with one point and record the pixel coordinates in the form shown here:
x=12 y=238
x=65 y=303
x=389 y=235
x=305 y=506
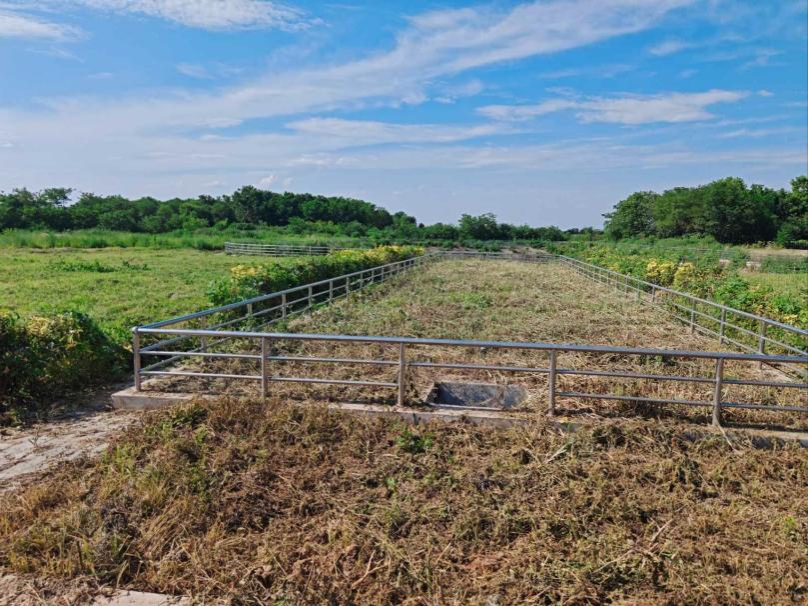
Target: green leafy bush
x=247 y=281
x=42 y=358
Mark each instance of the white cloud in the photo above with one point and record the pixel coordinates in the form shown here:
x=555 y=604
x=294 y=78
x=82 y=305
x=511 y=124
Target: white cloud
x=268 y=180
x=762 y=58
x=210 y=14
x=437 y=45
x=193 y=70
x=366 y=132
x=594 y=71
x=765 y=93
x=669 y=47
x=758 y=133
x=19 y=25
x=626 y=109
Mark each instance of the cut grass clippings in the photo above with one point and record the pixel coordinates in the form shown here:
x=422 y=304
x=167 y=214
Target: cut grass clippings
x=266 y=502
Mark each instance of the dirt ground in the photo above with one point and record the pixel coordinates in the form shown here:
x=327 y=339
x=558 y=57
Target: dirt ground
x=28 y=452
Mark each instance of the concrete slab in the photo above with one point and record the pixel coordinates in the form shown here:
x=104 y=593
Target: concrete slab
x=139 y=598
x=129 y=399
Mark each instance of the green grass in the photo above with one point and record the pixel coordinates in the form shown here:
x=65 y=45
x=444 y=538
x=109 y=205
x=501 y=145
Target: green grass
x=202 y=239
x=119 y=288
x=791 y=284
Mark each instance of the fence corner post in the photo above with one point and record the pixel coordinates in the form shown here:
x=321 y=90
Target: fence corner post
x=551 y=384
x=136 y=352
x=718 y=388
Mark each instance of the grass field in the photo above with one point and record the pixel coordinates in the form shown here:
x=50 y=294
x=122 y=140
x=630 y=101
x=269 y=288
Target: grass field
x=120 y=288
x=203 y=239
x=793 y=284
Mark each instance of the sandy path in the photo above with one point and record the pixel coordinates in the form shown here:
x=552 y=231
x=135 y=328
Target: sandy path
x=26 y=453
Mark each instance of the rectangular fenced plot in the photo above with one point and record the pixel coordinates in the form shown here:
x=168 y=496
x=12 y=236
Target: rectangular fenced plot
x=573 y=340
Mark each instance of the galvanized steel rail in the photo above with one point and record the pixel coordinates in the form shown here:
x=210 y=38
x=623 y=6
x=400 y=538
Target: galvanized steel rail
x=278 y=250
x=702 y=315
x=209 y=328
x=262 y=342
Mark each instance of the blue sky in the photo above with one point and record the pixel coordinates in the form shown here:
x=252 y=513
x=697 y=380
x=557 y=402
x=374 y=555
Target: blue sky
x=541 y=112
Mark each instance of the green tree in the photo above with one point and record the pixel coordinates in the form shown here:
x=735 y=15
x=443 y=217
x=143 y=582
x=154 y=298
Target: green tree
x=632 y=217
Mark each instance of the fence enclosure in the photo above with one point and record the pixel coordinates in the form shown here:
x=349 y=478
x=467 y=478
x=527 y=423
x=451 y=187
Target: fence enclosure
x=201 y=335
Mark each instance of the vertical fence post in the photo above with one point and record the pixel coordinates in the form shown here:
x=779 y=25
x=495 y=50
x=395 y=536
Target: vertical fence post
x=551 y=384
x=330 y=290
x=250 y=309
x=264 y=377
x=311 y=302
x=347 y=284
x=692 y=316
x=722 y=325
x=283 y=305
x=719 y=384
x=402 y=374
x=761 y=338
x=136 y=352
x=203 y=341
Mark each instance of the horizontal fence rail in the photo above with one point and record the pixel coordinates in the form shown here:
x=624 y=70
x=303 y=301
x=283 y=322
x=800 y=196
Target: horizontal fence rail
x=404 y=362
x=747 y=331
x=264 y=310
x=278 y=250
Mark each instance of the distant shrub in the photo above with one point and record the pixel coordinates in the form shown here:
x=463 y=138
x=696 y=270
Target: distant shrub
x=44 y=357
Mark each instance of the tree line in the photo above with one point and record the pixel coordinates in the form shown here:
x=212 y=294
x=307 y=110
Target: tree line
x=54 y=210
x=725 y=209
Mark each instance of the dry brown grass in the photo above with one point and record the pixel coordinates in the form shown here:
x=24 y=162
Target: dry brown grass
x=262 y=502
x=507 y=301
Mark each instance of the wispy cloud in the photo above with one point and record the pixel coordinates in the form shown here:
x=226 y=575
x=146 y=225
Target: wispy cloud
x=596 y=71
x=669 y=47
x=758 y=133
x=625 y=109
x=21 y=25
x=365 y=132
x=437 y=45
x=210 y=14
x=194 y=70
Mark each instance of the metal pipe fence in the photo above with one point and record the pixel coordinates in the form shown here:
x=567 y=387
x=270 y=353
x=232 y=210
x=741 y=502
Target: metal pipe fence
x=201 y=335
x=278 y=250
x=747 y=331
x=405 y=361
x=261 y=311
